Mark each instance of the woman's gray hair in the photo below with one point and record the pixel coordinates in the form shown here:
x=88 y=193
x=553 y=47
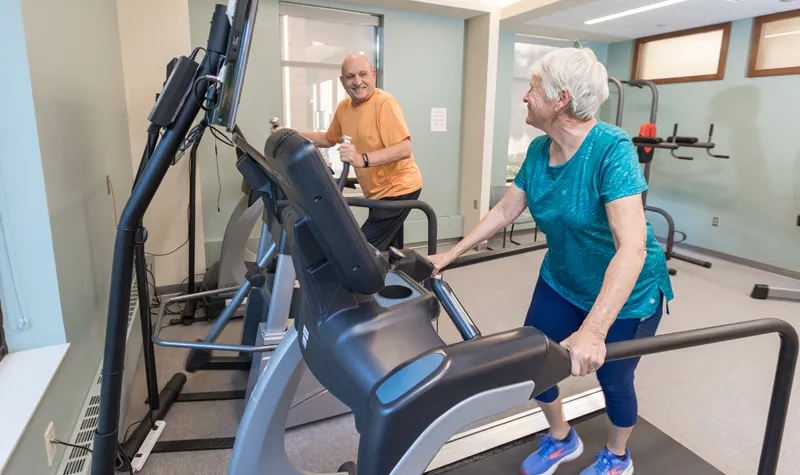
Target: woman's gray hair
x=578 y=71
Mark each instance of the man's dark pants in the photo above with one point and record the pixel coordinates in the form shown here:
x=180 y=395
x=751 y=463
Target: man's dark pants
x=384 y=227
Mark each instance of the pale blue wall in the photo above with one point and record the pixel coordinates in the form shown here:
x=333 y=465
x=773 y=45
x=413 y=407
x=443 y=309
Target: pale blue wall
x=33 y=291
x=68 y=131
x=755 y=194
x=423 y=68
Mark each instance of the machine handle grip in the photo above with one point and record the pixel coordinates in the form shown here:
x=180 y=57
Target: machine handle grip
x=345 y=166
x=461 y=319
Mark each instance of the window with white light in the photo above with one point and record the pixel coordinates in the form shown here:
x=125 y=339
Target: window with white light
x=314 y=41
x=521 y=134
x=775 y=44
x=698 y=54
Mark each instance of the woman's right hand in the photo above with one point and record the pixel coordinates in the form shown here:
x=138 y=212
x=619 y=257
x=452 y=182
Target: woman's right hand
x=440 y=261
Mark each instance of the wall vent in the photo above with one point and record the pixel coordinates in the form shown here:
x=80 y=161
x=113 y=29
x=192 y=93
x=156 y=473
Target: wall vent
x=77 y=461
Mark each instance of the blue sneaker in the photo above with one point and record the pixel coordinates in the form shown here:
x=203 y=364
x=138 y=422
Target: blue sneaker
x=552 y=453
x=606 y=463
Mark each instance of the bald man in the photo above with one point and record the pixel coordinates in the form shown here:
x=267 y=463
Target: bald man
x=380 y=151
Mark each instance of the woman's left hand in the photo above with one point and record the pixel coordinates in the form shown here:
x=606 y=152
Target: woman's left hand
x=587 y=350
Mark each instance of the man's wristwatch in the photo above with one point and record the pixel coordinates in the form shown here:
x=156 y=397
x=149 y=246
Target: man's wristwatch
x=366 y=160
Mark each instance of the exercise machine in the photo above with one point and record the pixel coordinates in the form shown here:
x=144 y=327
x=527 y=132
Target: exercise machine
x=191 y=85
x=764 y=292
x=646 y=143
x=668 y=251
x=366 y=336
x=236 y=258
x=363 y=330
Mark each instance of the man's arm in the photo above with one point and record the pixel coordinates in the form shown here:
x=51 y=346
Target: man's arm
x=393 y=153
x=320 y=139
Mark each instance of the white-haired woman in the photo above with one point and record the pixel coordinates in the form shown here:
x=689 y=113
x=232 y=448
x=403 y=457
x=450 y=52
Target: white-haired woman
x=604 y=278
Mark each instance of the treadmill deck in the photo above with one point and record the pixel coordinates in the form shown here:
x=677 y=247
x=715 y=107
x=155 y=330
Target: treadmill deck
x=653 y=451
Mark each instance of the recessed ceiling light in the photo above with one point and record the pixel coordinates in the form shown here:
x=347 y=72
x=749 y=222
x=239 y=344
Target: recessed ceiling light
x=633 y=11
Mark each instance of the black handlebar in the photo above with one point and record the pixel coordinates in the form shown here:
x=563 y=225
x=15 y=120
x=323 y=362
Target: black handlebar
x=477 y=258
x=403 y=204
x=784 y=374
x=343 y=178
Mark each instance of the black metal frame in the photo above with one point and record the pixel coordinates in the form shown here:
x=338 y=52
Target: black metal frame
x=404 y=204
x=784 y=373
x=105 y=449
x=670 y=253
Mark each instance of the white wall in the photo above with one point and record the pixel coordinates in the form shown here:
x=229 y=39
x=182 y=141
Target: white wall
x=152 y=32
x=480 y=78
x=67 y=132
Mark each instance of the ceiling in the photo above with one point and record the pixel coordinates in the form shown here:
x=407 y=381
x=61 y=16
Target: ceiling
x=565 y=19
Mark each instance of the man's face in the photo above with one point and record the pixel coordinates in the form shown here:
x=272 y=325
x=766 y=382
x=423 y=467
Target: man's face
x=358 y=79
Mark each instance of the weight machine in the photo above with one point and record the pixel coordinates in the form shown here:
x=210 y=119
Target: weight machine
x=646 y=143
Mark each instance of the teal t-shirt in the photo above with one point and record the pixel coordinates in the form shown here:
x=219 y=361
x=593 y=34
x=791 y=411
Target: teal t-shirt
x=568 y=203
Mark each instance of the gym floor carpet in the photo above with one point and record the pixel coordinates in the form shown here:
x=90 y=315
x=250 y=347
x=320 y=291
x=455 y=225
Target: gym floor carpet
x=711 y=399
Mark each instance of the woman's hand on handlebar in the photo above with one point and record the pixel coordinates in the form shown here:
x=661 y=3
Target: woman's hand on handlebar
x=440 y=261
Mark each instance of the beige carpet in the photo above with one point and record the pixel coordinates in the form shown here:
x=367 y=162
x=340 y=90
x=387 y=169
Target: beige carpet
x=712 y=399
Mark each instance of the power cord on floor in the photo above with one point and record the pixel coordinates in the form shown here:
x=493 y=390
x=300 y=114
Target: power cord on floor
x=123 y=457
x=125 y=464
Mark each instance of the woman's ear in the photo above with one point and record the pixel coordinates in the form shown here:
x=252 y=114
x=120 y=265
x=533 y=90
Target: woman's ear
x=564 y=97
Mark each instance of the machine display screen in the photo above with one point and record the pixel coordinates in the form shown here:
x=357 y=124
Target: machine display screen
x=242 y=15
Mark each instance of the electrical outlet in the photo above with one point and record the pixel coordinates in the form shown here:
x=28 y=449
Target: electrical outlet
x=109 y=185
x=475 y=204
x=715 y=221
x=50 y=447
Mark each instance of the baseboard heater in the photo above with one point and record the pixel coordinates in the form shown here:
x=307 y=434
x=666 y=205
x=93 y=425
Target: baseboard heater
x=79 y=462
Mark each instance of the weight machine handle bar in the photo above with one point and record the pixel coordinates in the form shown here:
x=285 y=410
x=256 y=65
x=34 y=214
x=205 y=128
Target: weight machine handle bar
x=403 y=204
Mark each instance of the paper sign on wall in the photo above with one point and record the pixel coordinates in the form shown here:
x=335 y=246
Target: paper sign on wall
x=438 y=119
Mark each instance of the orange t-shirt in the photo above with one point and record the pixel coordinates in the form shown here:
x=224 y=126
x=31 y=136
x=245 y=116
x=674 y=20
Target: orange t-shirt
x=373 y=125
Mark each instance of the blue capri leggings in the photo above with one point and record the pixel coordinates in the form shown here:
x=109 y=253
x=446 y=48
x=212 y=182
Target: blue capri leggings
x=557 y=318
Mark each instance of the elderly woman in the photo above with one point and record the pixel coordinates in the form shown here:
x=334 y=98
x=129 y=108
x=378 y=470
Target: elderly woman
x=604 y=278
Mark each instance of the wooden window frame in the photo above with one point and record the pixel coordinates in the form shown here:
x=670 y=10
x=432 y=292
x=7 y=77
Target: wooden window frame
x=755 y=46
x=723 y=53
